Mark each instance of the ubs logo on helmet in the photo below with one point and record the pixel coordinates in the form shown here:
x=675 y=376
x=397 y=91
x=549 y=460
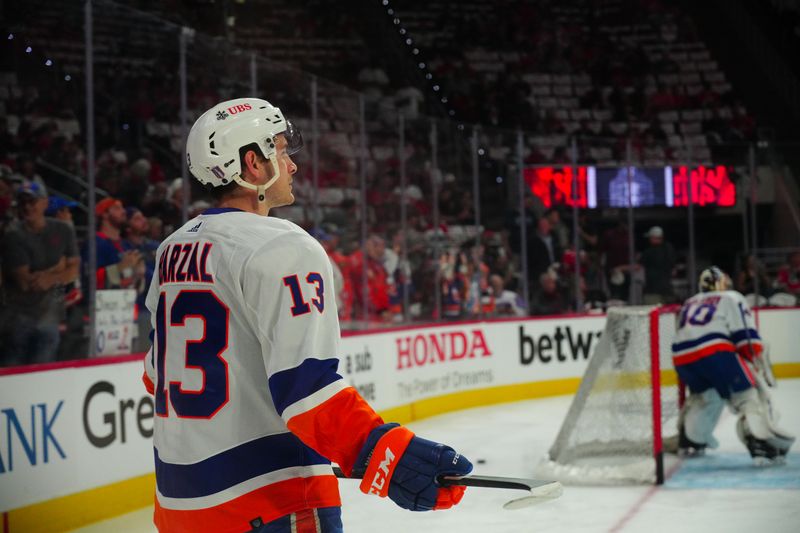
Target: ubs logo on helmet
x=239 y=108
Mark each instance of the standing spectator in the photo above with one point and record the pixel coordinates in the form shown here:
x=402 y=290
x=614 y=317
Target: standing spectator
x=399 y=271
x=548 y=299
x=616 y=247
x=543 y=251
x=72 y=330
x=40 y=256
x=454 y=283
x=339 y=266
x=658 y=261
x=587 y=232
x=750 y=270
x=26 y=172
x=506 y=302
x=116 y=267
x=6 y=197
x=788 y=278
x=136 y=238
x=480 y=299
x=60 y=209
x=558 y=229
x=377 y=280
x=533 y=208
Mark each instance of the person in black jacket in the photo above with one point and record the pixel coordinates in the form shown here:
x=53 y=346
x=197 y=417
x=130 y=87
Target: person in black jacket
x=658 y=261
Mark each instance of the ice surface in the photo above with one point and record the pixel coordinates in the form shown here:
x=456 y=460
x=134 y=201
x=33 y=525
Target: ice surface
x=722 y=492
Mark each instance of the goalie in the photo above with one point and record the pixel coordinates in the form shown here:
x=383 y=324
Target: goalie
x=719 y=355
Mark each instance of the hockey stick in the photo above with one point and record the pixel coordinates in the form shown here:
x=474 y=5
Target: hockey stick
x=762 y=362
x=764 y=377
x=540 y=490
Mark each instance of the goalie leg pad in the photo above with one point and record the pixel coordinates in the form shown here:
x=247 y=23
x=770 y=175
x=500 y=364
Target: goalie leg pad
x=756 y=428
x=699 y=417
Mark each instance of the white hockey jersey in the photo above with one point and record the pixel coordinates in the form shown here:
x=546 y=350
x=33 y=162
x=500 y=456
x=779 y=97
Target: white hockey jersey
x=711 y=322
x=249 y=406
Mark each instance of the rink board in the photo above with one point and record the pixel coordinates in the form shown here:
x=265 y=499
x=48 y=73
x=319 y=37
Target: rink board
x=75 y=454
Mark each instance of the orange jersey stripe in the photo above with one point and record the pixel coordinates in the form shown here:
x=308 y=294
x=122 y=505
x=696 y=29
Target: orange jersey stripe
x=267 y=503
x=337 y=437
x=703 y=352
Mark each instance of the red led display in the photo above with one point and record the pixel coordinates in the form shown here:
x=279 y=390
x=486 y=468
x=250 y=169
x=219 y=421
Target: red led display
x=553 y=185
x=710 y=186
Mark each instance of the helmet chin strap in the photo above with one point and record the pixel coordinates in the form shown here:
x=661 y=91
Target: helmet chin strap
x=260 y=189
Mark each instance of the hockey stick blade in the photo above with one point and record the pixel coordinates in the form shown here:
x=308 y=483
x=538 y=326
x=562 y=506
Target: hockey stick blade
x=539 y=490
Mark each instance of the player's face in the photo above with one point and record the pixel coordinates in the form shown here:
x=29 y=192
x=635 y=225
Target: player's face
x=280 y=193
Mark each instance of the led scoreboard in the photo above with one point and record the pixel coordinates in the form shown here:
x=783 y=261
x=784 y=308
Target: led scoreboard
x=589 y=186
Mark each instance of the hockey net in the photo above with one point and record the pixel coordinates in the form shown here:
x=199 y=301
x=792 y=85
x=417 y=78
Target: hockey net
x=627 y=404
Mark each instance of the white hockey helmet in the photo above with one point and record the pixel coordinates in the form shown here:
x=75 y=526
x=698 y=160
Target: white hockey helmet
x=713 y=279
x=212 y=148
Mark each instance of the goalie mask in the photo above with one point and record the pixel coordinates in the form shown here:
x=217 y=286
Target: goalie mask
x=713 y=279
x=212 y=148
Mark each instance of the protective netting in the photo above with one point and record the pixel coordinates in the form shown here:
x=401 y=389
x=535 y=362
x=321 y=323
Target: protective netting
x=608 y=435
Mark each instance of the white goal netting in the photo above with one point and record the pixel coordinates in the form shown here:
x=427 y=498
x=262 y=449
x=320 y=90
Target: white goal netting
x=613 y=431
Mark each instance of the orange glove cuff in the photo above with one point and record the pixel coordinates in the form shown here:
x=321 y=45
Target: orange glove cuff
x=384 y=459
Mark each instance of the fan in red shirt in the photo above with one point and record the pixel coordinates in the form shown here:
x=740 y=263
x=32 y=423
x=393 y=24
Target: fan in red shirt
x=377 y=280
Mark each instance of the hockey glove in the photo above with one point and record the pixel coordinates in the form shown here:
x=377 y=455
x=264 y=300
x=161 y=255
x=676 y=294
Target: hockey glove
x=396 y=463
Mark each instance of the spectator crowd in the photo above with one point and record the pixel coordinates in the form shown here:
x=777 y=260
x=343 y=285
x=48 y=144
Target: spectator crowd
x=558 y=81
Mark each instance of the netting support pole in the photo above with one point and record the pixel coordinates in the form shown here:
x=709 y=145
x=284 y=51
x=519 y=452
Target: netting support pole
x=690 y=211
x=90 y=177
x=575 y=232
x=655 y=379
x=631 y=241
x=253 y=75
x=751 y=169
x=435 y=177
x=476 y=198
x=186 y=34
x=523 y=245
x=401 y=156
x=315 y=211
x=362 y=179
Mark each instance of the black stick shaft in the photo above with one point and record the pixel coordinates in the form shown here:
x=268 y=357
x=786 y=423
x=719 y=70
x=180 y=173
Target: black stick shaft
x=475 y=481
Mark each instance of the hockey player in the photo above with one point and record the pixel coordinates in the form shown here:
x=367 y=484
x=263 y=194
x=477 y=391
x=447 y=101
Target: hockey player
x=250 y=409
x=718 y=354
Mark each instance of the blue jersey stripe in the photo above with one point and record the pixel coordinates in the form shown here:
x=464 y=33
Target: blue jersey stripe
x=231 y=467
x=742 y=335
x=294 y=384
x=685 y=345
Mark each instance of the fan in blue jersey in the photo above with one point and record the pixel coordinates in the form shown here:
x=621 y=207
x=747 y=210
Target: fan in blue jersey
x=719 y=355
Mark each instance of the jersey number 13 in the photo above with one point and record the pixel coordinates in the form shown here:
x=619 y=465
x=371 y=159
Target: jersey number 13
x=203 y=355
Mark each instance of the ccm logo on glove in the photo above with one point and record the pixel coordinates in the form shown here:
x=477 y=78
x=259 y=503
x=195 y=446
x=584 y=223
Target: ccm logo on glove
x=382 y=473
x=405 y=468
x=379 y=471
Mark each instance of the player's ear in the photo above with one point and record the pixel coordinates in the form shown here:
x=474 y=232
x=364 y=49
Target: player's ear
x=251 y=164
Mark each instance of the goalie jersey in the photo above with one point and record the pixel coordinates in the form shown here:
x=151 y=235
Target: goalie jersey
x=712 y=322
x=250 y=409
